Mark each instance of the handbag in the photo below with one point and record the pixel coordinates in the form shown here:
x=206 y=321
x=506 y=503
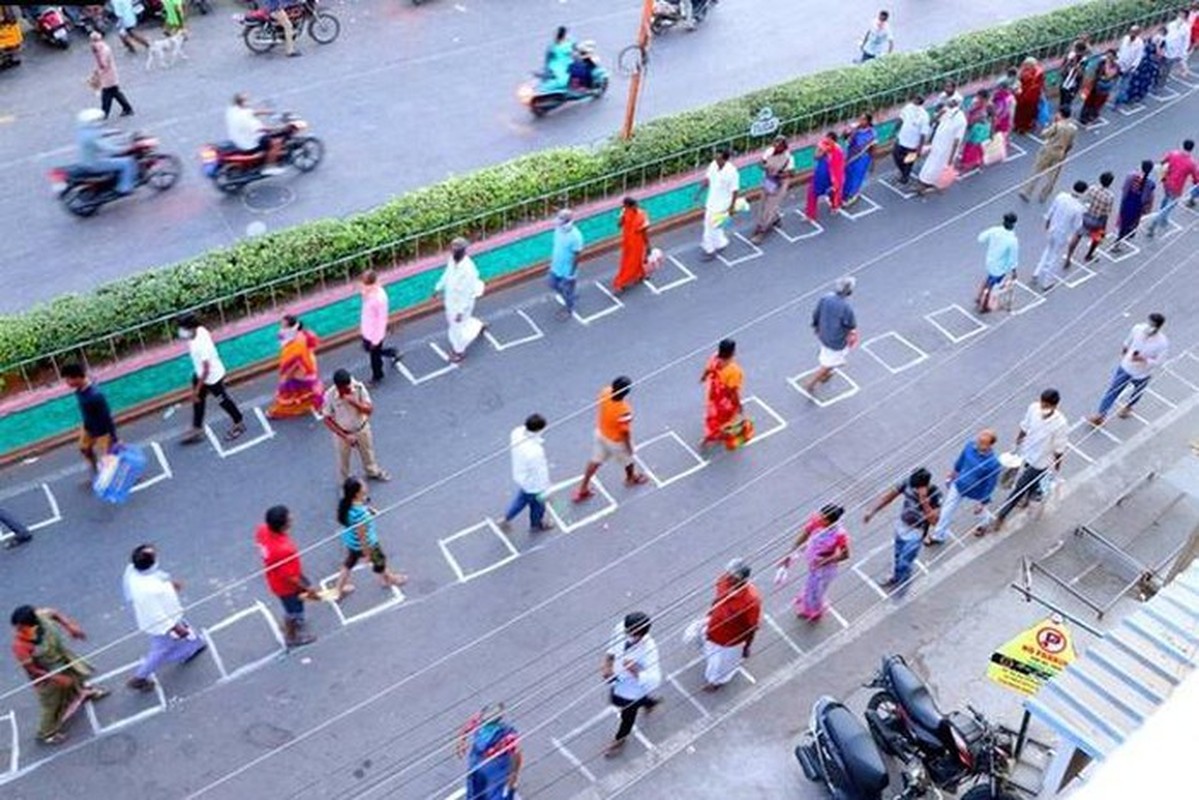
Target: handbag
x=693 y=634
x=93 y=81
x=947 y=177
x=653 y=261
x=995 y=150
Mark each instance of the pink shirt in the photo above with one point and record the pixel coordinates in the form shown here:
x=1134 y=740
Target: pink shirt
x=374 y=315
x=106 y=67
x=1179 y=167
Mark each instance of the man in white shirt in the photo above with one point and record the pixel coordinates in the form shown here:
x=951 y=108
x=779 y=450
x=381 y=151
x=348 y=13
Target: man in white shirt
x=1041 y=443
x=878 y=40
x=1145 y=348
x=246 y=130
x=208 y=378
x=155 y=601
x=915 y=124
x=531 y=473
x=1178 y=42
x=632 y=671
x=723 y=182
x=1128 y=58
x=1063 y=221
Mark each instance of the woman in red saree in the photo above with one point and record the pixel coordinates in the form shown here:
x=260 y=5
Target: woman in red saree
x=300 y=390
x=1028 y=97
x=723 y=417
x=828 y=175
x=634 y=245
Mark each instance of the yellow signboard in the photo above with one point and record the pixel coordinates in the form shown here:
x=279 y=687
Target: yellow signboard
x=1033 y=657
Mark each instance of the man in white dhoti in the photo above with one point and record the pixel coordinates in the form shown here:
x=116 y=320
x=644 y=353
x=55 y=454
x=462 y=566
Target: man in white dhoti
x=460 y=287
x=943 y=150
x=1062 y=221
x=723 y=182
x=732 y=622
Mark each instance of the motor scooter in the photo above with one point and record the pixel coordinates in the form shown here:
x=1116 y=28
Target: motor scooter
x=669 y=13
x=553 y=88
x=839 y=752
x=50 y=24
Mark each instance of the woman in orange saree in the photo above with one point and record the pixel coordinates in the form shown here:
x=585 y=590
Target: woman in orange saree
x=300 y=390
x=634 y=245
x=724 y=420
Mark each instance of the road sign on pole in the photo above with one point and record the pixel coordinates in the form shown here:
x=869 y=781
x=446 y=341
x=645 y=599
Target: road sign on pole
x=1038 y=654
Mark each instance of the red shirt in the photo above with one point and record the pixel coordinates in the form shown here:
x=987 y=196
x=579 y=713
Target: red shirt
x=281 y=558
x=1179 y=167
x=735 y=614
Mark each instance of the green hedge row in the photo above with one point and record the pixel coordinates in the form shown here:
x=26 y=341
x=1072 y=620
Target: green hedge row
x=469 y=203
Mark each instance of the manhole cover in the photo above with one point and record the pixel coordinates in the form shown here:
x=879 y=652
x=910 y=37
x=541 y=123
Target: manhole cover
x=267 y=197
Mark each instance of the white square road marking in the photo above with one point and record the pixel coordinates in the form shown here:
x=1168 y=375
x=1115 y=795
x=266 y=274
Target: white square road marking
x=786 y=637
x=164 y=474
x=146 y=713
x=691 y=698
x=1129 y=111
x=612 y=308
x=55 y=515
x=1188 y=84
x=759 y=433
x=796 y=382
x=258 y=608
x=861 y=573
x=755 y=252
x=700 y=461
x=817 y=228
x=610 y=504
x=1078 y=274
x=396 y=597
x=688 y=276
x=1169 y=94
x=532 y=337
x=14 y=749
x=1127 y=250
x=899 y=190
x=954 y=308
x=1168 y=368
x=437 y=373
x=1014 y=151
x=609 y=713
x=1037 y=297
x=1098 y=123
x=268 y=433
x=487 y=524
x=864 y=207
x=919 y=357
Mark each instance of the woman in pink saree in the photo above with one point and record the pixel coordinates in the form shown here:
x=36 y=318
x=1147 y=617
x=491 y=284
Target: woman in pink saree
x=825 y=544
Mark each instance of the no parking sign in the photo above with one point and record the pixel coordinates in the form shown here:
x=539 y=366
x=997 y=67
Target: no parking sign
x=1033 y=657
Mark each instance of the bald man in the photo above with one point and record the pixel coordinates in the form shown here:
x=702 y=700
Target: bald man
x=974 y=477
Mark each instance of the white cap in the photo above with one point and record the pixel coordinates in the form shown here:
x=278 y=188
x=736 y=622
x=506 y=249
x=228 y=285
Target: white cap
x=89 y=116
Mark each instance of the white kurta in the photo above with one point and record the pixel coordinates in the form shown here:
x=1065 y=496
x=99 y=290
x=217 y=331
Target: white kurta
x=720 y=662
x=462 y=287
x=723 y=183
x=950 y=130
x=1064 y=219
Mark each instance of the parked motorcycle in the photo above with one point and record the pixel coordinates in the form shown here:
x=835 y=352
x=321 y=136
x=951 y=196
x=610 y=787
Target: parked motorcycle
x=50 y=25
x=668 y=13
x=231 y=169
x=959 y=748
x=839 y=752
x=83 y=190
x=261 y=33
x=548 y=91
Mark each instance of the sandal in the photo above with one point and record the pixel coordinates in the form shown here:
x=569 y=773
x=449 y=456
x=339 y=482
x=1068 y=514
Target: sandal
x=58 y=737
x=235 y=432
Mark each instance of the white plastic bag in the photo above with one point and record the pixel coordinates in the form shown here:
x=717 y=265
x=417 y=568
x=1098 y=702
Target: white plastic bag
x=693 y=634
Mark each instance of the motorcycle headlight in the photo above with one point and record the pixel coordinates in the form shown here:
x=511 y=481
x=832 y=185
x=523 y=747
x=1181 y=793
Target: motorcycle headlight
x=208 y=154
x=526 y=94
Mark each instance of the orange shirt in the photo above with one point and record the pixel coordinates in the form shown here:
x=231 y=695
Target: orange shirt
x=615 y=417
x=735 y=614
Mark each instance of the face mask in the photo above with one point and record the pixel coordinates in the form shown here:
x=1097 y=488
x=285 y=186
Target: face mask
x=287 y=334
x=185 y=334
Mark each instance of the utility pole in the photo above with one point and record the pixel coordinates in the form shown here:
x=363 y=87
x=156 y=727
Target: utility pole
x=643 y=39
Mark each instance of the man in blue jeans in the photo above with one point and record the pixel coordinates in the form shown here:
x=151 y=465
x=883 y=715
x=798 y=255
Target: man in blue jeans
x=19 y=533
x=531 y=472
x=564 y=261
x=921 y=509
x=99 y=149
x=1145 y=348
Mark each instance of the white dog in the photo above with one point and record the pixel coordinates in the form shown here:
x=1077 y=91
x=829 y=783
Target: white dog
x=167 y=50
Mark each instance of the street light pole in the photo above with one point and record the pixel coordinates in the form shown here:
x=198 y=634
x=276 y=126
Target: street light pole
x=643 y=39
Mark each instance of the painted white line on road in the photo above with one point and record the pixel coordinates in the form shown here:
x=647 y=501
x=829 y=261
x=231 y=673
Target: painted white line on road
x=258 y=608
x=457 y=795
x=1171 y=94
x=862 y=210
x=796 y=382
x=611 y=308
x=920 y=355
x=55 y=514
x=1130 y=111
x=1080 y=453
x=98 y=729
x=573 y=759
x=1168 y=403
x=904 y=193
x=268 y=433
x=786 y=637
x=952 y=309
x=1078 y=274
x=688 y=276
x=760 y=434
x=1037 y=297
x=1127 y=250
x=164 y=474
x=14 y=750
x=1014 y=151
x=394 y=598
x=873 y=584
x=437 y=373
x=502 y=346
x=609 y=506
x=696 y=704
x=464 y=575
x=754 y=252
x=842 y=621
x=1187 y=84
x=817 y=228
x=700 y=461
x=1168 y=368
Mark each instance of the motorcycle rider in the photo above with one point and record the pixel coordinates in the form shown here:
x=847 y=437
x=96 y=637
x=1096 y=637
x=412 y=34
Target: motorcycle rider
x=278 y=12
x=558 y=56
x=99 y=149
x=250 y=135
x=582 y=69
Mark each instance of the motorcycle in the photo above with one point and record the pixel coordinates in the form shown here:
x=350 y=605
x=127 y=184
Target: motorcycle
x=839 y=752
x=906 y=723
x=548 y=91
x=50 y=24
x=668 y=13
x=83 y=190
x=261 y=33
x=231 y=169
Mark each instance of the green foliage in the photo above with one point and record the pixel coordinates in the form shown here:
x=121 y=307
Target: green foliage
x=421 y=222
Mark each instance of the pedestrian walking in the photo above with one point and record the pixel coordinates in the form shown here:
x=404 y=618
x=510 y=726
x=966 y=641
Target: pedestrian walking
x=1145 y=348
x=1031 y=82
x=1002 y=256
x=920 y=511
x=347 y=411
x=879 y=39
x=284 y=573
x=564 y=261
x=828 y=176
x=724 y=417
x=1144 y=77
x=373 y=326
x=105 y=78
x=1099 y=202
x=859 y=158
x=1063 y=221
x=461 y=288
x=127 y=25
x=1128 y=59
x=1073 y=73
x=1041 y=445
x=974 y=477
x=208 y=378
x=980 y=120
x=98 y=433
x=1136 y=200
x=300 y=390
x=633 y=673
x=937 y=171
x=17 y=533
x=530 y=473
x=723 y=183
x=1003 y=107
x=1059 y=140
x=1105 y=81
x=613 y=437
x=1178 y=167
x=733 y=621
x=634 y=245
x=823 y=543
x=154 y=597
x=357 y=517
x=491 y=747
x=836 y=329
x=777 y=167
x=174 y=16
x=949 y=94
x=60 y=678
x=1177 y=45
x=915 y=127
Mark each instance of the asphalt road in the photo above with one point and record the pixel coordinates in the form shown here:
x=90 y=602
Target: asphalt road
x=405 y=97
x=370 y=709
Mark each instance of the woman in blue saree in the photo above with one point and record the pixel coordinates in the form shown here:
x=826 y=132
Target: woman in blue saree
x=859 y=158
x=1135 y=201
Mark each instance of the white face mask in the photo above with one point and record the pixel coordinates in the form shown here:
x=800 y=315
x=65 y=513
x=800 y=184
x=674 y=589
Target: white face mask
x=287 y=334
x=185 y=334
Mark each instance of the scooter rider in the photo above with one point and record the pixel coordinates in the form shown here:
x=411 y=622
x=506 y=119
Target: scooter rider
x=582 y=69
x=559 y=55
x=249 y=134
x=100 y=150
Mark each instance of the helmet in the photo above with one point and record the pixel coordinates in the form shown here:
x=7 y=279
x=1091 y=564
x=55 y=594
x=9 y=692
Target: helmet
x=90 y=116
x=587 y=48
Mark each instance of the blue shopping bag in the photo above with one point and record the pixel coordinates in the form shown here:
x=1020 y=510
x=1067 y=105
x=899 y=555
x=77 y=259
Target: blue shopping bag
x=119 y=472
x=1044 y=113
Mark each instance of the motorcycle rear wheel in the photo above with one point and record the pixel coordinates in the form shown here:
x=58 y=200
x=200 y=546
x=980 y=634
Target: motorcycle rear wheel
x=164 y=172
x=983 y=792
x=872 y=707
x=306 y=153
x=324 y=28
x=78 y=200
x=259 y=38
x=224 y=180
x=658 y=25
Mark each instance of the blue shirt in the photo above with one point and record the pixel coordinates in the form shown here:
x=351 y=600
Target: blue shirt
x=349 y=537
x=93 y=408
x=568 y=242
x=977 y=473
x=1003 y=250
x=833 y=320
